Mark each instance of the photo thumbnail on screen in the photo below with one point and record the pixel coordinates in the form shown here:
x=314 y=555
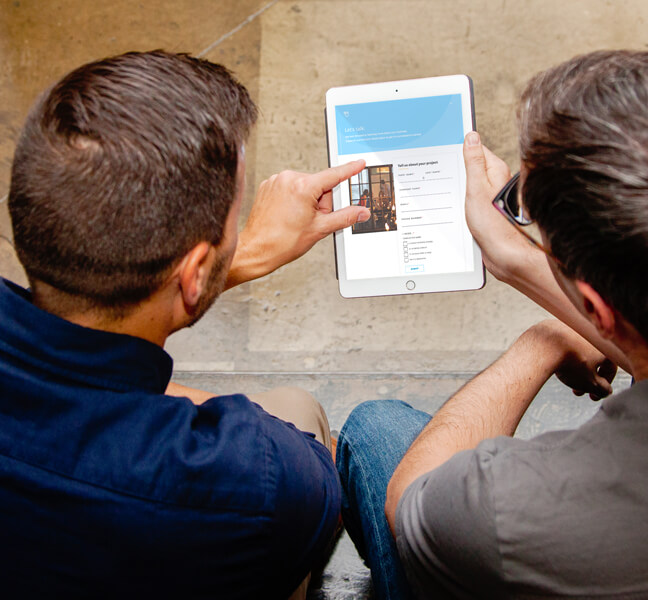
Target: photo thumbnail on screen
x=373 y=187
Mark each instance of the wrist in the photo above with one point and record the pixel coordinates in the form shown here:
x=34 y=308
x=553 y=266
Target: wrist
x=510 y=258
x=247 y=263
x=503 y=260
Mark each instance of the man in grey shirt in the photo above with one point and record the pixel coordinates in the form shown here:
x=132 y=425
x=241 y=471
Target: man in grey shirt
x=474 y=512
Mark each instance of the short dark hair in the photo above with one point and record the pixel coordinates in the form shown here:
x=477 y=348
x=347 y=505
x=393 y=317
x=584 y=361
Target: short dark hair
x=584 y=143
x=121 y=168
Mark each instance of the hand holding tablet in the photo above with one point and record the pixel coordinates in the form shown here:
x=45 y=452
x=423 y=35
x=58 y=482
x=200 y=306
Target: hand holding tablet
x=410 y=133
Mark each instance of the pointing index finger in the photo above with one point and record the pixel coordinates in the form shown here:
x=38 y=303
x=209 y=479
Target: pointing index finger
x=326 y=180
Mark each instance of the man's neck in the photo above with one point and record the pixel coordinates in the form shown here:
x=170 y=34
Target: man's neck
x=140 y=323
x=149 y=320
x=639 y=361
x=633 y=346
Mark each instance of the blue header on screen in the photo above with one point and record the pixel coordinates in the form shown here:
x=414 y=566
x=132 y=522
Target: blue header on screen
x=399 y=124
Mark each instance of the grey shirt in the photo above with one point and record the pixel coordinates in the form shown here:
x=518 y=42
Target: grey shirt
x=562 y=515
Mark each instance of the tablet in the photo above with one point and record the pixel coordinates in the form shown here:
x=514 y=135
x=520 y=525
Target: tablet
x=410 y=133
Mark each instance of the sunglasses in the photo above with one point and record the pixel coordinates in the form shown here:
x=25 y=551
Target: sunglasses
x=508 y=203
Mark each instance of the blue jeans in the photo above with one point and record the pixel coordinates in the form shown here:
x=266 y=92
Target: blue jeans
x=371 y=444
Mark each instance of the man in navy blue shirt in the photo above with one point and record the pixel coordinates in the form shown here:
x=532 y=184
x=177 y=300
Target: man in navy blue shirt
x=125 y=194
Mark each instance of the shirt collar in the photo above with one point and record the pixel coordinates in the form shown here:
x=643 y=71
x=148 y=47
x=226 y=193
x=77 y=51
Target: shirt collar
x=108 y=360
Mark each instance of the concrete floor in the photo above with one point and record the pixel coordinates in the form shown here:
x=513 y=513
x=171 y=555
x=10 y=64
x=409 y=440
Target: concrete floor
x=293 y=326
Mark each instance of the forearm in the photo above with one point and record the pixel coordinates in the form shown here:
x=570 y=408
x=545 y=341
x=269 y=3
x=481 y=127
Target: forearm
x=491 y=404
x=529 y=273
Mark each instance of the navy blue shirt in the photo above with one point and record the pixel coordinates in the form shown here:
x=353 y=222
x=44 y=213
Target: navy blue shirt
x=110 y=488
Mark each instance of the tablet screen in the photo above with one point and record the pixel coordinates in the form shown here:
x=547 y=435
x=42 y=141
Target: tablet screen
x=413 y=185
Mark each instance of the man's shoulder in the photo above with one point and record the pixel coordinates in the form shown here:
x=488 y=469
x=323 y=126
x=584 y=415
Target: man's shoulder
x=288 y=462
x=192 y=489
x=536 y=513
x=226 y=454
x=585 y=456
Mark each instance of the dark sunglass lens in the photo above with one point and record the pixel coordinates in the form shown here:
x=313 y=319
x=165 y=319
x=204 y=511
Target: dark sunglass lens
x=515 y=209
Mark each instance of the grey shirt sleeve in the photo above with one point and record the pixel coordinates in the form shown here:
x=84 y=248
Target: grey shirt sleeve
x=445 y=529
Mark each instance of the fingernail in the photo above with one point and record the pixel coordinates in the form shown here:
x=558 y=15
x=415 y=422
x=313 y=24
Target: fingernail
x=363 y=216
x=472 y=139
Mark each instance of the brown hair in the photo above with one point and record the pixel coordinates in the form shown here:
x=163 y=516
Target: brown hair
x=121 y=168
x=584 y=142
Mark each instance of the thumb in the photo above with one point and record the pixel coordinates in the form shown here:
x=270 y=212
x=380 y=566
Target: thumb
x=607 y=370
x=604 y=387
x=475 y=161
x=345 y=217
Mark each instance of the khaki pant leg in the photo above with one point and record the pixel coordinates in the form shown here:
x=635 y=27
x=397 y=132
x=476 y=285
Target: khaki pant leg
x=298 y=407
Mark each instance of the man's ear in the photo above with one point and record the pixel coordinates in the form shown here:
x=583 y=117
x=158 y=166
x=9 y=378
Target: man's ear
x=599 y=311
x=194 y=273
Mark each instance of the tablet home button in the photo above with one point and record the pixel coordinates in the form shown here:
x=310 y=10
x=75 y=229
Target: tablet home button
x=410 y=285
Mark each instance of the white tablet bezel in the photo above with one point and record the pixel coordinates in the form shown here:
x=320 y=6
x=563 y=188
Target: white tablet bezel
x=398 y=90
